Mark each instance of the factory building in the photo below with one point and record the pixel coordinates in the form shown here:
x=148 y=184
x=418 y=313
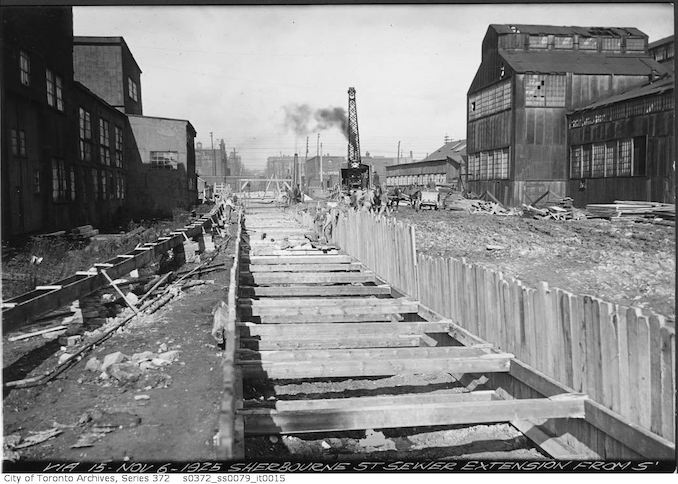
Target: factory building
x=529 y=78
x=445 y=166
x=324 y=171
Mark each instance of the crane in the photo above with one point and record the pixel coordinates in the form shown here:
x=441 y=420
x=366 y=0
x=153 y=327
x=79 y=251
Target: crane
x=357 y=174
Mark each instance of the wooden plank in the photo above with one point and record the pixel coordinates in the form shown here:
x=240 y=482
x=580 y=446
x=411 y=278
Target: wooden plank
x=388 y=306
x=341 y=329
x=564 y=320
x=305 y=267
x=438 y=396
x=362 y=354
x=299 y=259
x=609 y=357
x=655 y=323
x=301 y=290
x=539 y=381
x=578 y=327
x=295 y=302
x=633 y=436
x=414 y=415
x=668 y=381
x=553 y=446
x=351 y=368
x=639 y=366
x=363 y=341
x=312 y=319
x=307 y=278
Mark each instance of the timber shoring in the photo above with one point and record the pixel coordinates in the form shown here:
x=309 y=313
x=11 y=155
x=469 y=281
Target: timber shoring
x=586 y=344
x=24 y=308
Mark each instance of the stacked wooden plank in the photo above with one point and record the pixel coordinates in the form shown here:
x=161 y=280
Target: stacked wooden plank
x=634 y=210
x=84 y=232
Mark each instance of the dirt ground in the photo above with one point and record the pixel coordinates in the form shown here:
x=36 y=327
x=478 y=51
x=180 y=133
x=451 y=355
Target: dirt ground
x=631 y=264
x=168 y=412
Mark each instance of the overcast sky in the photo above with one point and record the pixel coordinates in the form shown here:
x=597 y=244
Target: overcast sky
x=232 y=70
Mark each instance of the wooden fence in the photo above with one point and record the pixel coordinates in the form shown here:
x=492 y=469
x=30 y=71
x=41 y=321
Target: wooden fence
x=622 y=357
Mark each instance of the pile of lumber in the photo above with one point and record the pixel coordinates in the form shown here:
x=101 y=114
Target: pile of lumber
x=562 y=211
x=489 y=208
x=632 y=210
x=84 y=232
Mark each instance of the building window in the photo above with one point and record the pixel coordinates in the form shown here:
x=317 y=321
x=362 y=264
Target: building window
x=60 y=191
x=103 y=179
x=598 y=161
x=104 y=142
x=132 y=88
x=639 y=148
x=164 y=159
x=118 y=147
x=491 y=100
x=538 y=41
x=563 y=42
x=85 y=135
x=610 y=157
x=72 y=182
x=55 y=95
x=545 y=90
x=25 y=68
x=611 y=44
x=588 y=43
x=575 y=162
x=625 y=156
x=18 y=142
x=36 y=181
x=635 y=45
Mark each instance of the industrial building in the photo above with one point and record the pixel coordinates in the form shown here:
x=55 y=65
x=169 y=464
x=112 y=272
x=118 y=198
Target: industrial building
x=279 y=166
x=211 y=167
x=663 y=51
x=529 y=78
x=71 y=152
x=445 y=166
x=324 y=171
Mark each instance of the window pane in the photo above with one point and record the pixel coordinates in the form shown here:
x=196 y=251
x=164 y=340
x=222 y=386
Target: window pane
x=588 y=43
x=636 y=45
x=611 y=44
x=563 y=42
x=538 y=41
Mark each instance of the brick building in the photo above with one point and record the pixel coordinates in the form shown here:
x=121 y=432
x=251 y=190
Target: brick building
x=445 y=166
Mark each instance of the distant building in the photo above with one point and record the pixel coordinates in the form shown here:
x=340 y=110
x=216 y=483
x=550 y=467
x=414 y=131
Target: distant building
x=622 y=147
x=324 y=171
x=279 y=166
x=378 y=165
x=663 y=51
x=107 y=67
x=529 y=78
x=163 y=178
x=445 y=166
x=211 y=165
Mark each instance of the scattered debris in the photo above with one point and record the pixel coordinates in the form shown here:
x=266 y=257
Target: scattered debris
x=45 y=331
x=124 y=372
x=38 y=438
x=90 y=438
x=376 y=441
x=64 y=357
x=325 y=445
x=495 y=247
x=93 y=364
x=112 y=359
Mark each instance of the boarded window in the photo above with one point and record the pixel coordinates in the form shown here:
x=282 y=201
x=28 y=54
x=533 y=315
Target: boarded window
x=563 y=42
x=598 y=161
x=545 y=90
x=610 y=44
x=588 y=43
x=539 y=41
x=25 y=68
x=624 y=159
x=575 y=162
x=490 y=100
x=635 y=45
x=639 y=148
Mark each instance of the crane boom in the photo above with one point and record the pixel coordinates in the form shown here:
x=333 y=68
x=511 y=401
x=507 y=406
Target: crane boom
x=357 y=174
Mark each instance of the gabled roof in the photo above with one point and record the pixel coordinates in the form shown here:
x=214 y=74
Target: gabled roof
x=565 y=30
x=658 y=87
x=657 y=43
x=454 y=150
x=580 y=63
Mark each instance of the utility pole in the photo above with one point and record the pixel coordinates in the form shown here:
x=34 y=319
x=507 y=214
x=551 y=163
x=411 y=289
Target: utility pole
x=398 y=162
x=321 y=165
x=317 y=146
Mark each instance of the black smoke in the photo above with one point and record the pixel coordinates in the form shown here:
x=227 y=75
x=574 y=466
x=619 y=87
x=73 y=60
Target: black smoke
x=304 y=120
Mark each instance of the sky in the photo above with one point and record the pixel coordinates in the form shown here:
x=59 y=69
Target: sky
x=235 y=70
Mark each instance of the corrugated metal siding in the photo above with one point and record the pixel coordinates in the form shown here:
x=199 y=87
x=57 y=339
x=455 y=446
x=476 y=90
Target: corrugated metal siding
x=589 y=88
